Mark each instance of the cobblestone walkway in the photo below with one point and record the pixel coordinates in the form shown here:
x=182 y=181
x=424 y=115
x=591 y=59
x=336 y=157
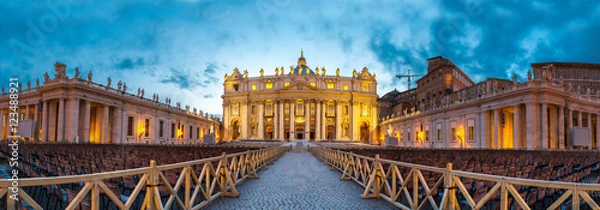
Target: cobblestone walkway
x=298 y=181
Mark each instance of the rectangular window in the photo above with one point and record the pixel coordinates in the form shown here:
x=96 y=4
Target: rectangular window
x=130 y=126
x=408 y=135
x=269 y=85
x=191 y=129
x=285 y=84
x=160 y=128
x=471 y=129
x=147 y=128
x=427 y=135
x=313 y=84
x=253 y=87
x=439 y=136
x=172 y=130
x=453 y=131
x=198 y=133
x=330 y=85
x=346 y=87
x=365 y=87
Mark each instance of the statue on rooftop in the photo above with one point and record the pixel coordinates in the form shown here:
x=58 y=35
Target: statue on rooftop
x=514 y=79
x=142 y=95
x=90 y=77
x=124 y=87
x=246 y=73
x=354 y=73
x=317 y=71
x=37 y=82
x=337 y=72
x=108 y=82
x=276 y=71
x=262 y=72
x=119 y=84
x=76 y=72
x=29 y=84
x=46 y=77
x=529 y=76
x=323 y=73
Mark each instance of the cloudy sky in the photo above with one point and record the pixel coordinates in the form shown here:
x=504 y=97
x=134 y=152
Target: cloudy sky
x=182 y=49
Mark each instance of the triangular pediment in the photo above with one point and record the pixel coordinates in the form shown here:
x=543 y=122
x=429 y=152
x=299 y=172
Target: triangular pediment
x=299 y=86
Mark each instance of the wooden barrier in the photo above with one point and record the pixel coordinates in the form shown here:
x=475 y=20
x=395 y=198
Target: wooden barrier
x=214 y=177
x=384 y=179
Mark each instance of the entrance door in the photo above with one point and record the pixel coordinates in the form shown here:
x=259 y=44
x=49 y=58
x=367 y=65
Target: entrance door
x=330 y=132
x=364 y=131
x=299 y=132
x=269 y=132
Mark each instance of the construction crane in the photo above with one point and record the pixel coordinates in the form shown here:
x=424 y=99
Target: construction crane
x=407 y=75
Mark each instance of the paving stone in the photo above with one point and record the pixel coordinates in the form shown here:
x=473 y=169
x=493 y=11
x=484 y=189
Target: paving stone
x=299 y=181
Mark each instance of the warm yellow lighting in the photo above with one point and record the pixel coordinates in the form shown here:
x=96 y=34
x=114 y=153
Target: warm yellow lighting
x=346 y=87
x=269 y=85
x=420 y=136
x=286 y=84
x=330 y=85
x=460 y=133
x=141 y=129
x=253 y=87
x=180 y=133
x=313 y=84
x=365 y=87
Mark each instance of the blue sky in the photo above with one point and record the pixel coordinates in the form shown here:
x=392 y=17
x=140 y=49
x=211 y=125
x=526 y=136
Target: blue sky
x=182 y=49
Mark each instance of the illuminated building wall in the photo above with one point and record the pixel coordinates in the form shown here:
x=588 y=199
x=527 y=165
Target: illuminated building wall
x=497 y=114
x=300 y=103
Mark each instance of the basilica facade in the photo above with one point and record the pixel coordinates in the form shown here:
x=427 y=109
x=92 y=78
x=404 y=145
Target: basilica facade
x=300 y=103
x=556 y=107
x=79 y=110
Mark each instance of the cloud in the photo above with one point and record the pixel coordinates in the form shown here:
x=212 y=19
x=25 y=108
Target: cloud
x=130 y=64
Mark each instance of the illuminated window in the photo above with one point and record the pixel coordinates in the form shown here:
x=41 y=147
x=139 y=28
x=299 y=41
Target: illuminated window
x=286 y=84
x=313 y=84
x=269 y=85
x=287 y=109
x=439 y=132
x=453 y=131
x=365 y=110
x=330 y=85
x=365 y=87
x=312 y=108
x=346 y=87
x=253 y=87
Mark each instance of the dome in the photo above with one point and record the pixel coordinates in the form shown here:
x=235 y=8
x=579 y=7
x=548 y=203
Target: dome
x=301 y=68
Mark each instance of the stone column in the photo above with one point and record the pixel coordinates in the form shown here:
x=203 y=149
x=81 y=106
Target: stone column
x=281 y=121
x=569 y=141
x=597 y=131
x=306 y=120
x=553 y=130
x=483 y=129
x=106 y=125
x=561 y=127
x=496 y=140
x=72 y=121
x=292 y=119
x=261 y=120
x=544 y=121
x=275 y=109
x=36 y=112
x=338 y=121
x=243 y=113
x=45 y=115
x=117 y=134
x=517 y=128
x=27 y=112
x=60 y=136
x=86 y=122
x=589 y=125
x=324 y=120
x=2 y=123
x=318 y=120
x=532 y=125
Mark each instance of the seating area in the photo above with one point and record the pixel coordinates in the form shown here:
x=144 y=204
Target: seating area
x=568 y=166
x=47 y=160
